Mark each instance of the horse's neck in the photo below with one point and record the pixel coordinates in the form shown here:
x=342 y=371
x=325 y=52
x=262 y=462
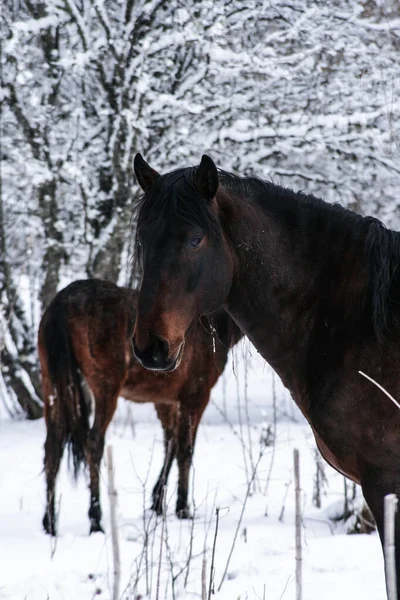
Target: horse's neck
x=295 y=273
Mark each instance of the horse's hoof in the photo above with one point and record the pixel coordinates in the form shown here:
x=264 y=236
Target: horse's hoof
x=95 y=527
x=157 y=508
x=49 y=526
x=157 y=504
x=184 y=513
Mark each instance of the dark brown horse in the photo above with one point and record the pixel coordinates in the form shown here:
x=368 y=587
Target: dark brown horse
x=314 y=286
x=85 y=350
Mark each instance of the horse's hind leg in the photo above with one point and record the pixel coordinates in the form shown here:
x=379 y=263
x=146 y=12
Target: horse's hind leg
x=53 y=451
x=189 y=419
x=168 y=414
x=376 y=485
x=106 y=403
x=95 y=454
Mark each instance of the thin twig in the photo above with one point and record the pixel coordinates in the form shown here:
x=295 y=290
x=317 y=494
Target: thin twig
x=163 y=492
x=204 y=575
x=231 y=425
x=246 y=408
x=246 y=451
x=284 y=589
x=146 y=533
x=281 y=515
x=190 y=555
x=241 y=516
x=380 y=387
x=271 y=464
x=346 y=510
x=211 y=589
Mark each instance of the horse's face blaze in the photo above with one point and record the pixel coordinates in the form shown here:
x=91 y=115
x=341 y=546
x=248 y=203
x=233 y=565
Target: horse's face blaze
x=187 y=272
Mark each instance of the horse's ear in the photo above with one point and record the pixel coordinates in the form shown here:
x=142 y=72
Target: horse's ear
x=145 y=175
x=207 y=178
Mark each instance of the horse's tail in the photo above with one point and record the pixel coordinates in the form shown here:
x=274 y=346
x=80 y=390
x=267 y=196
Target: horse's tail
x=67 y=408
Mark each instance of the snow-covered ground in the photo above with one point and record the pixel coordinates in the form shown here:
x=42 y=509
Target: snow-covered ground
x=79 y=566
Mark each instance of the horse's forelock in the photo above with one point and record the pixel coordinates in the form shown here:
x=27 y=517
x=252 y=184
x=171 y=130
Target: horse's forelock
x=175 y=196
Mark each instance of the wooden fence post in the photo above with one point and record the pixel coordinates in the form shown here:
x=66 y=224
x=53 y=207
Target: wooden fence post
x=299 y=583
x=390 y=508
x=112 y=494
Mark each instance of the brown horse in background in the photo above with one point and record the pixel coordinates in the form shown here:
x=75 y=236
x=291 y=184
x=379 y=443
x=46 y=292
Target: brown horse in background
x=315 y=287
x=85 y=352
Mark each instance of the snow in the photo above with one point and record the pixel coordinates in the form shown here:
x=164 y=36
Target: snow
x=77 y=565
x=301 y=93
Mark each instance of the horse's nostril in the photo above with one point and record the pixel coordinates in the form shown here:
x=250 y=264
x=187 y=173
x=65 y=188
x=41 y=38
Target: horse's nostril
x=155 y=355
x=160 y=349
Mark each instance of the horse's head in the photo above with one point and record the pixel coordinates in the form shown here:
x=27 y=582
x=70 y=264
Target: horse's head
x=186 y=263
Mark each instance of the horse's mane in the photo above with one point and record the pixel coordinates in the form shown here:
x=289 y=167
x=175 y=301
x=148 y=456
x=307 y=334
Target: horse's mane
x=259 y=190
x=382 y=248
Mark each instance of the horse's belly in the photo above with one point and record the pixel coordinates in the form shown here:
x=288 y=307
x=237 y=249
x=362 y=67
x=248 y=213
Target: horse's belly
x=146 y=392
x=347 y=467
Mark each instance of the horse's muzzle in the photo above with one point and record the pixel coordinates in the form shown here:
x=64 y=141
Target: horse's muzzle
x=156 y=355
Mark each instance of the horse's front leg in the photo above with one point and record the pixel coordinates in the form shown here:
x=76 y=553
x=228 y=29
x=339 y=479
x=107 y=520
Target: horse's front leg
x=189 y=419
x=168 y=415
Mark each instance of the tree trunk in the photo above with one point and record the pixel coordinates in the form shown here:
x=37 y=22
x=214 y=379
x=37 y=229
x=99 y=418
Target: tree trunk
x=54 y=253
x=19 y=364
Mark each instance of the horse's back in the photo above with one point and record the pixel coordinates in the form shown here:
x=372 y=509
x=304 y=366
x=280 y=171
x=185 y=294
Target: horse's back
x=98 y=317
x=96 y=298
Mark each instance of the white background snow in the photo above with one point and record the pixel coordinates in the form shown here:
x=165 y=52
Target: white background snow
x=76 y=565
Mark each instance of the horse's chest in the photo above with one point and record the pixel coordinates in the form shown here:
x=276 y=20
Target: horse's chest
x=144 y=386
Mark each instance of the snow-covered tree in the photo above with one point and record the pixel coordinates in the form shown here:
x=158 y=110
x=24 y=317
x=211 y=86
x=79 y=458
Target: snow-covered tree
x=301 y=92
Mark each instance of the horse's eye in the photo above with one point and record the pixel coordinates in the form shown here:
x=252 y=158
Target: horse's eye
x=194 y=242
